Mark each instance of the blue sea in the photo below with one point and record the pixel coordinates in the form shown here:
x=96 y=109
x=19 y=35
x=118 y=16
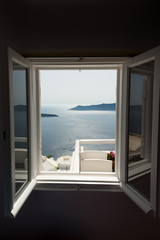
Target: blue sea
x=60 y=133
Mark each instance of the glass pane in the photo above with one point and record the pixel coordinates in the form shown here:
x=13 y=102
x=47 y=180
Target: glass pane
x=140 y=125
x=19 y=78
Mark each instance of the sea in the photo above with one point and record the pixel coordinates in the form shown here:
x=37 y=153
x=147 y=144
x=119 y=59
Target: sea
x=60 y=133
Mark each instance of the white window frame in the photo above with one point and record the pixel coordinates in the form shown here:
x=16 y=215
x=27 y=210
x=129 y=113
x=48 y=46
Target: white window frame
x=16 y=201
x=145 y=205
x=47 y=181
x=72 y=65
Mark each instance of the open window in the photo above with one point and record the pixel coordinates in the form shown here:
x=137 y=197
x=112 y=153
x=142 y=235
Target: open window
x=135 y=140
x=21 y=180
x=140 y=136
x=140 y=126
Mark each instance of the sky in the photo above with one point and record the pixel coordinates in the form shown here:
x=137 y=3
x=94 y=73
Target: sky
x=19 y=87
x=136 y=89
x=78 y=86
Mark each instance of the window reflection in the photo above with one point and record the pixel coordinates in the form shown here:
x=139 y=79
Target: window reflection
x=139 y=128
x=19 y=79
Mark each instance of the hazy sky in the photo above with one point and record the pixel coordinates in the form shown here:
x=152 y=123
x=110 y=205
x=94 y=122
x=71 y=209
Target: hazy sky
x=136 y=86
x=78 y=87
x=19 y=87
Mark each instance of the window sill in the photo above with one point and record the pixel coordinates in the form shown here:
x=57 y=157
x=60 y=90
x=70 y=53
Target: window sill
x=83 y=176
x=97 y=182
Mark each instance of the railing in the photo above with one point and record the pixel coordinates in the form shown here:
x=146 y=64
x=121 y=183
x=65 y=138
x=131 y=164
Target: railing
x=20 y=139
x=97 y=141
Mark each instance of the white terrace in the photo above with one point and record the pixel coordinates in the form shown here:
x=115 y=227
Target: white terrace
x=91 y=160
x=80 y=161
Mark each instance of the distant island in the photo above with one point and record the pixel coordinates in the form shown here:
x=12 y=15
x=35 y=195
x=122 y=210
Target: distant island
x=22 y=108
x=48 y=115
x=99 y=107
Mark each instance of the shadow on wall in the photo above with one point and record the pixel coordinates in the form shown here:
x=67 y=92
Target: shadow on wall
x=80 y=215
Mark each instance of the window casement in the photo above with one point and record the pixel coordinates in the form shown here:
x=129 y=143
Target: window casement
x=25 y=166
